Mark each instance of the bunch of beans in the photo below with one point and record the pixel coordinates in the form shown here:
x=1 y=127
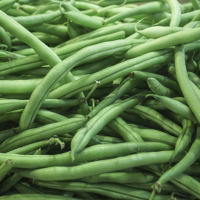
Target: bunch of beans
x=99 y=100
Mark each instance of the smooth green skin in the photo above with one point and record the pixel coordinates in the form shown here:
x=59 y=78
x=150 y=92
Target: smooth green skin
x=110 y=189
x=159 y=89
x=5 y=38
x=148 y=8
x=182 y=37
x=73 y=31
x=34 y=61
x=185 y=83
x=159 y=31
x=195 y=4
x=86 y=6
x=191 y=65
x=96 y=167
x=166 y=81
x=6 y=5
x=190 y=158
x=90 y=68
x=83 y=20
x=14 y=104
x=122 y=128
x=30 y=147
x=121 y=177
x=155 y=135
x=154 y=104
x=184 y=139
x=5 y=168
x=96 y=124
x=176 y=12
x=35 y=196
x=154 y=116
x=41 y=133
x=34 y=20
x=50 y=40
x=176 y=106
x=109 y=74
x=57 y=30
x=28 y=8
x=61 y=69
x=108 y=139
x=194 y=78
x=97 y=152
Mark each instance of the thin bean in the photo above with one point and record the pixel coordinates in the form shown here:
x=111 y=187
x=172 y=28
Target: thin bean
x=5 y=168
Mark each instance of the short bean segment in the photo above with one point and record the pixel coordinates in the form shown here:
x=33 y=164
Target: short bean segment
x=159 y=89
x=5 y=168
x=120 y=126
x=5 y=38
x=153 y=115
x=176 y=106
x=154 y=135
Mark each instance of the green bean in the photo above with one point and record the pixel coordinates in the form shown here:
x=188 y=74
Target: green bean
x=14 y=12
x=159 y=31
x=148 y=8
x=176 y=106
x=40 y=133
x=14 y=104
x=182 y=37
x=57 y=30
x=194 y=78
x=184 y=139
x=86 y=6
x=83 y=20
x=121 y=177
x=121 y=127
x=73 y=30
x=154 y=104
x=167 y=82
x=97 y=152
x=110 y=189
x=191 y=65
x=6 y=5
x=28 y=148
x=28 y=8
x=192 y=155
x=5 y=38
x=153 y=115
x=43 y=37
x=159 y=89
x=35 y=196
x=35 y=20
x=5 y=168
x=184 y=82
x=176 y=12
x=195 y=4
x=154 y=135
x=97 y=167
x=95 y=124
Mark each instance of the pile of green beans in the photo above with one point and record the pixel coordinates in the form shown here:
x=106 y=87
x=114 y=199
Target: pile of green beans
x=99 y=99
